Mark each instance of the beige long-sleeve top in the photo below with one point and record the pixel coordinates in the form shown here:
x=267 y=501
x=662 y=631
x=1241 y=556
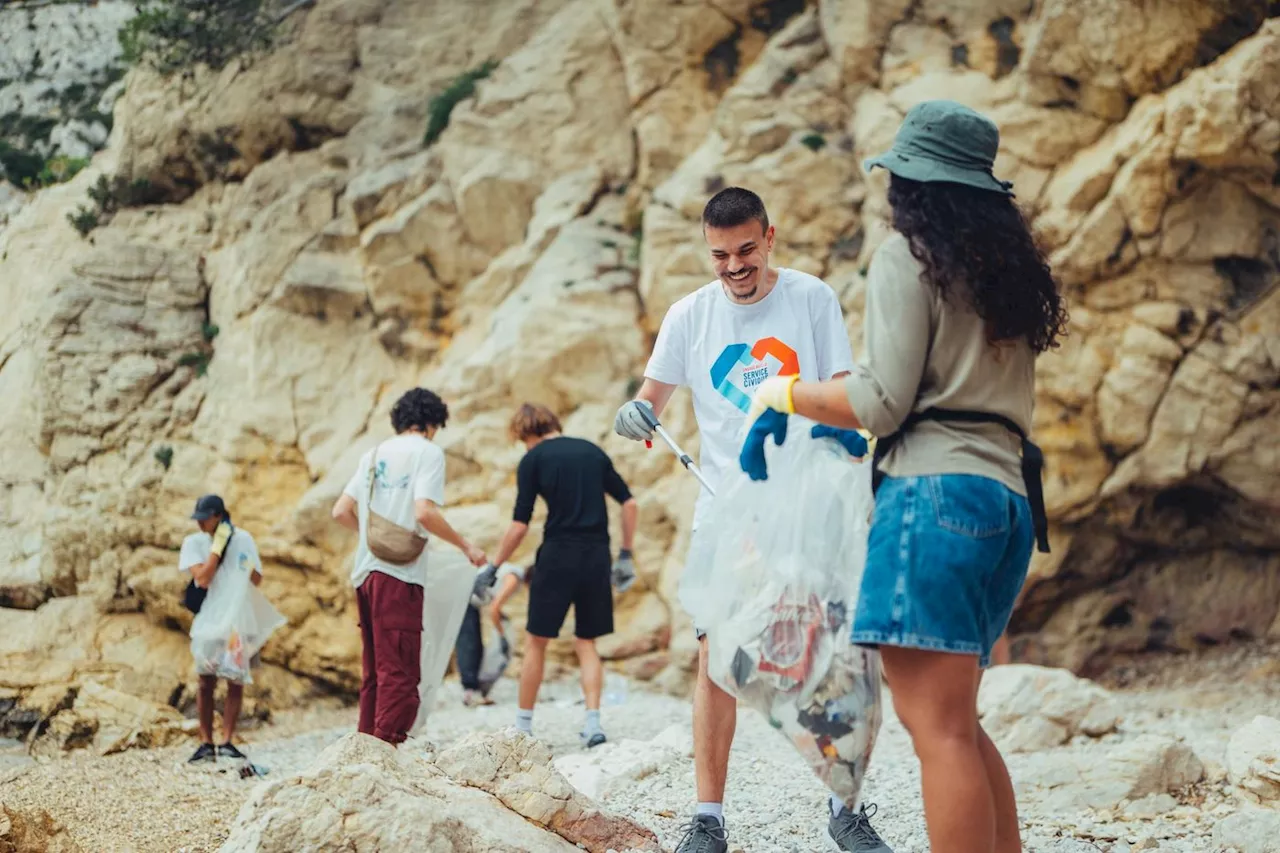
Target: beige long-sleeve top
x=924 y=351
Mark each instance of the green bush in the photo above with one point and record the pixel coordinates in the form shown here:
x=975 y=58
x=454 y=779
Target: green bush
x=84 y=220
x=441 y=106
x=56 y=170
x=814 y=141
x=20 y=167
x=164 y=455
x=177 y=35
x=197 y=360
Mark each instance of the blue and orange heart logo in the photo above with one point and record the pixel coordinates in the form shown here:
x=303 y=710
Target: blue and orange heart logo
x=750 y=362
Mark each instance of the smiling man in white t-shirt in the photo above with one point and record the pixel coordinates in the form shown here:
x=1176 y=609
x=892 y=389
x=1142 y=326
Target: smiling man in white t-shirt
x=724 y=339
x=407 y=490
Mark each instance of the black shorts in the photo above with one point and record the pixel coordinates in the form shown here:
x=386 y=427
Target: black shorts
x=577 y=572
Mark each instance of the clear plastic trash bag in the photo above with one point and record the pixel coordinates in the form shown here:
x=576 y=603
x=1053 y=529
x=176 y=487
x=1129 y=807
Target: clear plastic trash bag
x=236 y=619
x=445 y=598
x=786 y=558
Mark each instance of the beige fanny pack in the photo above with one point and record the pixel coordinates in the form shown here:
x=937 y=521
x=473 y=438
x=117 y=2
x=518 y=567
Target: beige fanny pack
x=387 y=540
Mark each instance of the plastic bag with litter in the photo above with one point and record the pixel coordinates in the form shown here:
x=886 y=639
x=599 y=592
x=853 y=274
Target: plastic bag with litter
x=787 y=555
x=497 y=655
x=236 y=619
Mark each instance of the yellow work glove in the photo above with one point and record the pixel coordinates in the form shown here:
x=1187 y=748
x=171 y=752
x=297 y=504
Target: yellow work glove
x=774 y=393
x=220 y=538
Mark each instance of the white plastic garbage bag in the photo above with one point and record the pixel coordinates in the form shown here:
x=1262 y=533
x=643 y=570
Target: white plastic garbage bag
x=236 y=619
x=445 y=598
x=786 y=559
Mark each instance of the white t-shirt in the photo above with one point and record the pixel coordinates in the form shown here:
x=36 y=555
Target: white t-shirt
x=723 y=351
x=410 y=468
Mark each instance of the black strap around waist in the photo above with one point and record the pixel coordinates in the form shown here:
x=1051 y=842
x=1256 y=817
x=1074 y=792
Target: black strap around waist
x=1032 y=459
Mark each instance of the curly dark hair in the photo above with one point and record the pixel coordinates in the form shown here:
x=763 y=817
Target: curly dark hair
x=419 y=409
x=977 y=239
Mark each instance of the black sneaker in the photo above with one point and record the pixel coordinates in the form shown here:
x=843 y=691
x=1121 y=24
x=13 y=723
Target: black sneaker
x=205 y=754
x=592 y=740
x=704 y=834
x=852 y=831
x=229 y=751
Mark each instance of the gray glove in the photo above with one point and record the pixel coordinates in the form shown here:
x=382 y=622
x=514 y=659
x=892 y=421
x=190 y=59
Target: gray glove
x=624 y=571
x=630 y=423
x=482 y=589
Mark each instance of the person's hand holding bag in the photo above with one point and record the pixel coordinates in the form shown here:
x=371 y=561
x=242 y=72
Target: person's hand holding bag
x=770 y=408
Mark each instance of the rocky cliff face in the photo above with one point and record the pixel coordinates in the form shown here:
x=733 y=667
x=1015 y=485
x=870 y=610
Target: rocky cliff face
x=531 y=251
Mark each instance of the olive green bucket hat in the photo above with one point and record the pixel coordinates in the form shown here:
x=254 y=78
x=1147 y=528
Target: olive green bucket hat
x=945 y=141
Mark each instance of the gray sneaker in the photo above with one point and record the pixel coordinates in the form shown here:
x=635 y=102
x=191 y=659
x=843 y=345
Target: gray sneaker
x=852 y=832
x=704 y=834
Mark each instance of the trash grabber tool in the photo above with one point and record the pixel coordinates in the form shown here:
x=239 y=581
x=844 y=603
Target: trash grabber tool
x=685 y=459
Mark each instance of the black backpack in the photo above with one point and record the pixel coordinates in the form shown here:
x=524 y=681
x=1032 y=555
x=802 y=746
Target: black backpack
x=193 y=596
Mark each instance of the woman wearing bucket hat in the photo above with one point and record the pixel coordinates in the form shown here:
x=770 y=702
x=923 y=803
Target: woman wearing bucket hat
x=960 y=301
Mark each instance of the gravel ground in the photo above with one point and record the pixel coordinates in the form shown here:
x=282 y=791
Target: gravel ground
x=151 y=801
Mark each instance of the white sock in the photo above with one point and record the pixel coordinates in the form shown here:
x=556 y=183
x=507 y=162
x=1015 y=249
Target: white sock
x=593 y=723
x=524 y=720
x=837 y=805
x=716 y=810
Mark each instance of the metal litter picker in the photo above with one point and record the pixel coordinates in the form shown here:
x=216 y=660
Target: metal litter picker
x=685 y=459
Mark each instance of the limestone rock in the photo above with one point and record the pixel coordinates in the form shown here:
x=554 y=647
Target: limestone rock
x=1027 y=708
x=518 y=771
x=361 y=793
x=58 y=76
x=110 y=721
x=25 y=831
x=1099 y=54
x=1252 y=831
x=1253 y=761
x=1131 y=770
x=606 y=769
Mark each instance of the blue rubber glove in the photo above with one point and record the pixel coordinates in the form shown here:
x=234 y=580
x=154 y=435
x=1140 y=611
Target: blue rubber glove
x=770 y=423
x=851 y=440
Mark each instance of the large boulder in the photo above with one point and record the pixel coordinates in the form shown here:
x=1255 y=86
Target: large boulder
x=1253 y=761
x=363 y=794
x=1131 y=770
x=1027 y=708
x=518 y=770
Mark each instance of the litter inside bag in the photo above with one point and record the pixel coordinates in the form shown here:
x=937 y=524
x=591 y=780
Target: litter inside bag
x=445 y=598
x=236 y=619
x=786 y=558
x=497 y=655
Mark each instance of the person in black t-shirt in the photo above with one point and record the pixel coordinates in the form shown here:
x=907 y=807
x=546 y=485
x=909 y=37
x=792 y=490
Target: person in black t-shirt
x=572 y=476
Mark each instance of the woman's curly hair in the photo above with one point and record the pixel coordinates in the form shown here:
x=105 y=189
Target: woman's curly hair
x=418 y=409
x=979 y=241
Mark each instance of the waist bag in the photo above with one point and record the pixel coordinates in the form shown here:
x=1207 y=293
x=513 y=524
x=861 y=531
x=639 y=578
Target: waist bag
x=387 y=540
x=1032 y=459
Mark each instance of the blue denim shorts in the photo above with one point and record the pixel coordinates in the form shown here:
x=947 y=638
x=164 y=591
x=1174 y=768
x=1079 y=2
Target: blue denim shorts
x=946 y=558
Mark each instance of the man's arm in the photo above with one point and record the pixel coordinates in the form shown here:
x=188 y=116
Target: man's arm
x=630 y=518
x=505 y=590
x=656 y=394
x=429 y=516
x=344 y=512
x=510 y=542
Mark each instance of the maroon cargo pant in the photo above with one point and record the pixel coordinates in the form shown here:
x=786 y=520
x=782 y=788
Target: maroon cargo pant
x=391 y=628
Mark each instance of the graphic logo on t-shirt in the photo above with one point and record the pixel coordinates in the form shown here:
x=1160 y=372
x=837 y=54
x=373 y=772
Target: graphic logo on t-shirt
x=385 y=482
x=740 y=368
